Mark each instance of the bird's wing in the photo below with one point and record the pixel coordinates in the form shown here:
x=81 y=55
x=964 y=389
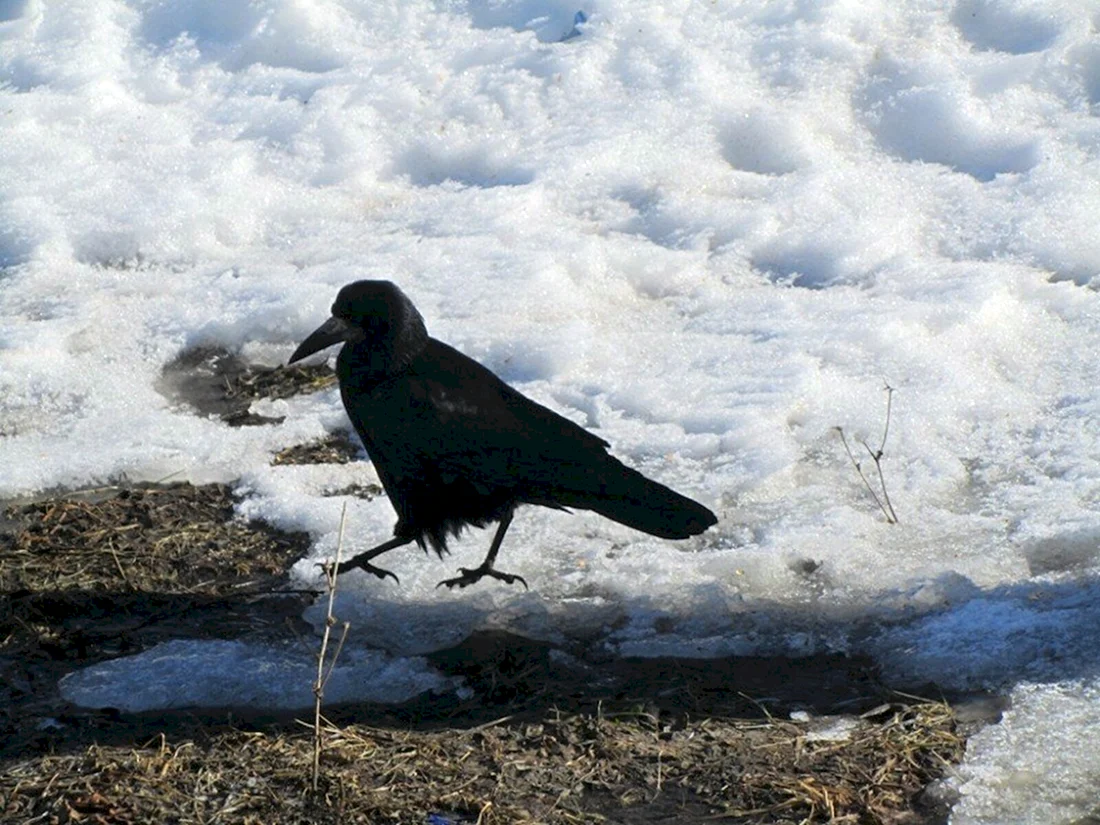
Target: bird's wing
x=448 y=431
x=472 y=424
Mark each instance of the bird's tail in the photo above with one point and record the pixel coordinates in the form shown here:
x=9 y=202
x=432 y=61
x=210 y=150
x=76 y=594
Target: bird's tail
x=626 y=496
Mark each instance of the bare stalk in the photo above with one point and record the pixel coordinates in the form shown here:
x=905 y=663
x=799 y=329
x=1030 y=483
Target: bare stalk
x=884 y=503
x=889 y=407
x=323 y=673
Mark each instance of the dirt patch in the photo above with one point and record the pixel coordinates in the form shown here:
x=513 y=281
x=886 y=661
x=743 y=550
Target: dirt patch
x=102 y=573
x=214 y=381
x=544 y=734
x=178 y=539
x=559 y=769
x=338 y=448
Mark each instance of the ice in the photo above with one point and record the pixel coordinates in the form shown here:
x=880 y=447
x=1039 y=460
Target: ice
x=986 y=640
x=1035 y=766
x=837 y=730
x=213 y=673
x=710 y=232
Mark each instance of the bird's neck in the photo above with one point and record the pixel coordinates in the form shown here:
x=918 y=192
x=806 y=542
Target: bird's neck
x=366 y=364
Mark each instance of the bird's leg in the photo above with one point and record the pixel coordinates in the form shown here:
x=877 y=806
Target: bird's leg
x=362 y=561
x=470 y=576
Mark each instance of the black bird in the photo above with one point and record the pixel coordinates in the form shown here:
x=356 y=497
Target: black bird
x=455 y=446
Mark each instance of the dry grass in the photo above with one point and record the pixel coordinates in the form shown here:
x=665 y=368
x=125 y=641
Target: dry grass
x=254 y=382
x=561 y=769
x=173 y=539
x=338 y=448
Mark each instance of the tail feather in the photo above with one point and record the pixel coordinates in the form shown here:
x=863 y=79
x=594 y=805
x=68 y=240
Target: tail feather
x=626 y=496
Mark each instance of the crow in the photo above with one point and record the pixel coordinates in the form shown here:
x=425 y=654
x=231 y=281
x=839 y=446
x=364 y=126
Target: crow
x=455 y=446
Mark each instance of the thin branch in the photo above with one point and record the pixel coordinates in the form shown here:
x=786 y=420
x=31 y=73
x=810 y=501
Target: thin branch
x=881 y=447
x=884 y=503
x=859 y=469
x=888 y=509
x=323 y=674
x=344 y=628
x=889 y=406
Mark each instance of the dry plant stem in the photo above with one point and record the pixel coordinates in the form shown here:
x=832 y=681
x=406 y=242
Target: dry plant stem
x=884 y=503
x=390 y=775
x=889 y=407
x=891 y=516
x=881 y=447
x=859 y=469
x=323 y=675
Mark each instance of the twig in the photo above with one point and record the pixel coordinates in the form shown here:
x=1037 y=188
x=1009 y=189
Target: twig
x=889 y=407
x=884 y=503
x=324 y=674
x=881 y=447
x=163 y=479
x=660 y=778
x=859 y=469
x=891 y=516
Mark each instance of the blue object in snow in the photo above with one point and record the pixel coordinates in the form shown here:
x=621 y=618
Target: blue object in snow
x=579 y=19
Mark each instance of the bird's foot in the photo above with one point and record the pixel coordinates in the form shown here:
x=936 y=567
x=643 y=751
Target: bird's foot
x=472 y=576
x=352 y=564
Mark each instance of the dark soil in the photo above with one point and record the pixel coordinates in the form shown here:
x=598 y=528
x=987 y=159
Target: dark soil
x=217 y=382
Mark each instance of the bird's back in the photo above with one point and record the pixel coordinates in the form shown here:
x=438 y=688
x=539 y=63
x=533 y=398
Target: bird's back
x=454 y=445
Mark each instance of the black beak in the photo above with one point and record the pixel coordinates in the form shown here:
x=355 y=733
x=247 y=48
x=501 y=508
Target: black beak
x=332 y=331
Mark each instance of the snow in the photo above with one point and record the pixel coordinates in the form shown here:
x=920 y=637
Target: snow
x=710 y=232
x=1021 y=771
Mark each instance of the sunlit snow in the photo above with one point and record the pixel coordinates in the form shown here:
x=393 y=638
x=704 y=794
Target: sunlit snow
x=711 y=232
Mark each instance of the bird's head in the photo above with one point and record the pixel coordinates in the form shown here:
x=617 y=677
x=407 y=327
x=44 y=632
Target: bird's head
x=375 y=316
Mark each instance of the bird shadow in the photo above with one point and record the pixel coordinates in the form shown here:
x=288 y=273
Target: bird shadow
x=49 y=635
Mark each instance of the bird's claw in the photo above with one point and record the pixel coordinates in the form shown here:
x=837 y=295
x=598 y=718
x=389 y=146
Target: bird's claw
x=352 y=564
x=473 y=575
x=369 y=568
